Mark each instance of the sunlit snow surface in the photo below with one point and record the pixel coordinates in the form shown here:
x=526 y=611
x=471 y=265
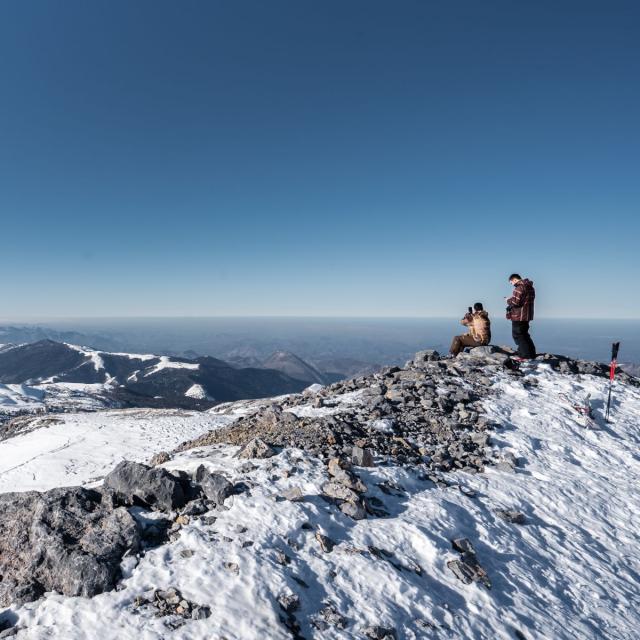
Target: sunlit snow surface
x=80 y=448
x=569 y=573
x=22 y=399
x=17 y=397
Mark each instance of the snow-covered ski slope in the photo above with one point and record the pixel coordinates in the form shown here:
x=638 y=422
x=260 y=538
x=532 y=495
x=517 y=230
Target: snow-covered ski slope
x=570 y=572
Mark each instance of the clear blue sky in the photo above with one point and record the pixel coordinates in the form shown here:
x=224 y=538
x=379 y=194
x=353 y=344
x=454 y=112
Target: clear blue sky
x=318 y=158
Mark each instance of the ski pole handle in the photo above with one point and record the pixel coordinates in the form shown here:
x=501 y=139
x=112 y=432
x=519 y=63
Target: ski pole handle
x=615 y=347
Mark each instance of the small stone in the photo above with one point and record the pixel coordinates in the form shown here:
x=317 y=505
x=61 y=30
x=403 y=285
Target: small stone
x=461 y=571
x=463 y=545
x=170 y=596
x=376 y=632
x=232 y=567
x=354 y=510
x=256 y=448
x=200 y=612
x=339 y=470
x=467 y=491
x=428 y=355
x=511 y=458
x=289 y=603
x=329 y=616
x=294 y=494
x=362 y=457
x=514 y=517
x=338 y=491
x=480 y=438
x=395 y=395
x=326 y=543
x=187 y=553
x=282 y=558
x=159 y=458
x=336 y=466
x=140 y=601
x=195 y=508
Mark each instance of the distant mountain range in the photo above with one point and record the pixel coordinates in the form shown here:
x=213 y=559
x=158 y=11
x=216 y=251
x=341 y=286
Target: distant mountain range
x=289 y=364
x=317 y=363
x=146 y=380
x=631 y=368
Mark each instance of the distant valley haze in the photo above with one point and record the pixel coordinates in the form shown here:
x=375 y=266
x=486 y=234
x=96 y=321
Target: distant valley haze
x=332 y=345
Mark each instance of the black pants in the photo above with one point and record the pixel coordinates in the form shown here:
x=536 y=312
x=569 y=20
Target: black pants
x=520 y=333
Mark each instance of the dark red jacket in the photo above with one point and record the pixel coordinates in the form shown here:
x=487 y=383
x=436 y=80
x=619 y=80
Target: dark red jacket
x=521 y=301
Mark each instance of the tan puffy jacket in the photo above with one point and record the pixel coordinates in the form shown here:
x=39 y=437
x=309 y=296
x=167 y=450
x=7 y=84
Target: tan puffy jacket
x=479 y=326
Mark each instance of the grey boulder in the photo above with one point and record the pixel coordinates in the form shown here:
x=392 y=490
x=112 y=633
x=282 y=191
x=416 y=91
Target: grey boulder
x=70 y=540
x=214 y=485
x=133 y=483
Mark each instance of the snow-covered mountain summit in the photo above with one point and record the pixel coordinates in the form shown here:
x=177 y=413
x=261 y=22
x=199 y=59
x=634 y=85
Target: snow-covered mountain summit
x=448 y=498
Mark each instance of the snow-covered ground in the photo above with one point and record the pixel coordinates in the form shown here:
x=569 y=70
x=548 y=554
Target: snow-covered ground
x=167 y=363
x=18 y=399
x=80 y=448
x=570 y=572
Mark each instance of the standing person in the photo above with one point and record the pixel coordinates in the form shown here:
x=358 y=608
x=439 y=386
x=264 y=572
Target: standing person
x=479 y=330
x=520 y=312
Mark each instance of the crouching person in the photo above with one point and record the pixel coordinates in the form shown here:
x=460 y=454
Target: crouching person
x=479 y=330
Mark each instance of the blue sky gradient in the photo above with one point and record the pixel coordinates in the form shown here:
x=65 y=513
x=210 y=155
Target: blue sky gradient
x=318 y=158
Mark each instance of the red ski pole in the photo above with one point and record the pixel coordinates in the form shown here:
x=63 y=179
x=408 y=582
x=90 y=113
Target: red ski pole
x=612 y=372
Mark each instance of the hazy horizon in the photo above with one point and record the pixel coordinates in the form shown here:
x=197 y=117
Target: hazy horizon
x=374 y=340
x=41 y=319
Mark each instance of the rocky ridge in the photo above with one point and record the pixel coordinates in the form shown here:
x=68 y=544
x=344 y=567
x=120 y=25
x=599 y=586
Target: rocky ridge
x=426 y=416
x=427 y=412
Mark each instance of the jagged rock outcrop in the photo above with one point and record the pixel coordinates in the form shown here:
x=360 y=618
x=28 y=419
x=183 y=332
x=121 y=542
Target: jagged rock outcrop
x=133 y=483
x=428 y=411
x=69 y=540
